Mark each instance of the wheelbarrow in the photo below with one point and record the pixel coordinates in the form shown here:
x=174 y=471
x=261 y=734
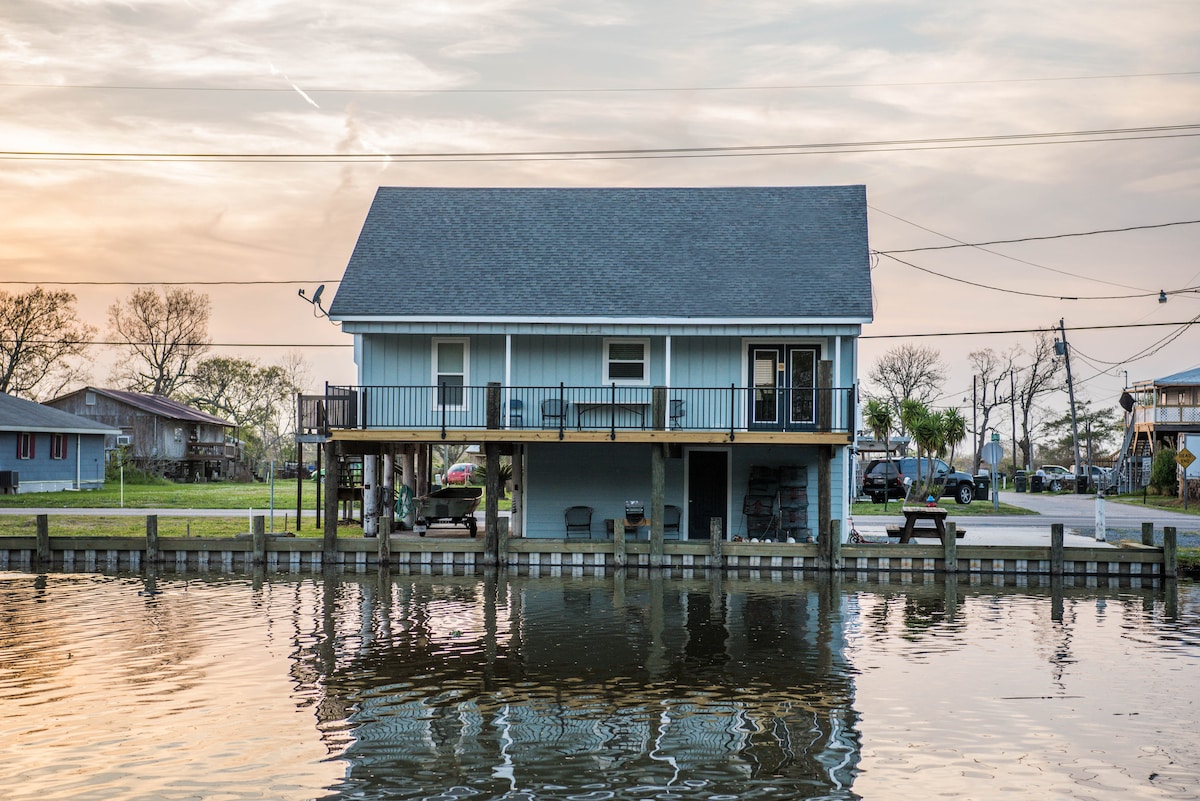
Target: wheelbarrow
x=449 y=505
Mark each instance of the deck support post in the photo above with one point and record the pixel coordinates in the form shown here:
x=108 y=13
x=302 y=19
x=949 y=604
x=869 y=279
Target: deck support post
x=387 y=486
x=1148 y=534
x=370 y=502
x=329 y=549
x=491 y=459
x=950 y=547
x=657 y=491
x=619 y=558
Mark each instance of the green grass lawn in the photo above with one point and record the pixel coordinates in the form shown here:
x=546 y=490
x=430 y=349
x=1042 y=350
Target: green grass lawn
x=974 y=509
x=1166 y=502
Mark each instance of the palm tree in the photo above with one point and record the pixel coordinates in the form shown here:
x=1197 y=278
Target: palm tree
x=927 y=431
x=955 y=429
x=878 y=416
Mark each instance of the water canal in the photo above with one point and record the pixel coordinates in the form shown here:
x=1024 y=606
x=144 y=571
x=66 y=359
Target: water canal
x=591 y=687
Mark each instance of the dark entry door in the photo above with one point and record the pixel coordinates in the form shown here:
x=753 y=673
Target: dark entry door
x=708 y=491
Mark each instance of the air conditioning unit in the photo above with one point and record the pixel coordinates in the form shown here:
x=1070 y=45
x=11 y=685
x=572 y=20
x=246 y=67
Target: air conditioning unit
x=124 y=440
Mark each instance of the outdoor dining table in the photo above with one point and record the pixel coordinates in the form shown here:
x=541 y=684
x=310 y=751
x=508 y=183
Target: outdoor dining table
x=914 y=514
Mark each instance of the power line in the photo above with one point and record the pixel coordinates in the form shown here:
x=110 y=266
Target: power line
x=989 y=332
x=1002 y=255
x=1032 y=238
x=591 y=90
x=869 y=146
x=998 y=331
x=961 y=280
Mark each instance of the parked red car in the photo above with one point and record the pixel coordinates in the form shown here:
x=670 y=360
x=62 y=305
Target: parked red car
x=459 y=473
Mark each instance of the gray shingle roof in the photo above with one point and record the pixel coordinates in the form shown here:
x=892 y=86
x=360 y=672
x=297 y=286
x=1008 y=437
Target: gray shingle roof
x=18 y=414
x=746 y=252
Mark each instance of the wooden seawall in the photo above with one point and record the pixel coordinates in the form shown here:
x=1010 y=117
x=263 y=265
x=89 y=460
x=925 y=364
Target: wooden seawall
x=259 y=550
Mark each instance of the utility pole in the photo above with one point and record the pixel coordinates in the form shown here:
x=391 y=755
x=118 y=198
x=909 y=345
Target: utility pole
x=1066 y=354
x=1012 y=402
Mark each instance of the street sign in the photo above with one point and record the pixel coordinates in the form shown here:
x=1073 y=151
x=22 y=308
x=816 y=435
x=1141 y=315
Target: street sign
x=995 y=436
x=1184 y=458
x=992 y=453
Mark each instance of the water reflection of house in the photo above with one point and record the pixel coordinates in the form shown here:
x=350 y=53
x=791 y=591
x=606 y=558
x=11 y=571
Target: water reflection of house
x=662 y=687
x=676 y=346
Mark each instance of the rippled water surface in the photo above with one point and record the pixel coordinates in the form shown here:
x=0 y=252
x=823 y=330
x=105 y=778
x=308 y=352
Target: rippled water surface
x=593 y=687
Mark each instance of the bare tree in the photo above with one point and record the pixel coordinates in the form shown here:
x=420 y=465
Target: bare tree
x=1040 y=377
x=257 y=398
x=908 y=372
x=991 y=371
x=40 y=335
x=163 y=334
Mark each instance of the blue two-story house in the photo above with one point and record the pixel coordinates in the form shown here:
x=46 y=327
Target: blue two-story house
x=693 y=350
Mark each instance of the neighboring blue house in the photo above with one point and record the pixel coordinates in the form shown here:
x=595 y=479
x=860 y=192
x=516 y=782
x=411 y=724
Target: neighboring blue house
x=44 y=449
x=686 y=348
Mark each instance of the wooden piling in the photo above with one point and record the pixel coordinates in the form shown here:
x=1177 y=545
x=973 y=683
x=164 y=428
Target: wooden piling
x=1148 y=534
x=716 y=539
x=950 y=547
x=835 y=545
x=153 y=555
x=1170 y=553
x=43 y=540
x=619 y=558
x=1056 y=549
x=258 y=539
x=657 y=494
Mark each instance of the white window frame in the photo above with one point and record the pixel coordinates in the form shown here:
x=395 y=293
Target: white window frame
x=436 y=373
x=25 y=445
x=58 y=446
x=645 y=361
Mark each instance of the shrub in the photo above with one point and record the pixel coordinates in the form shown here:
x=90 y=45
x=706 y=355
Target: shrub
x=1163 y=471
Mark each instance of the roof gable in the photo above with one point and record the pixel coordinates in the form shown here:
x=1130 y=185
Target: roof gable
x=748 y=252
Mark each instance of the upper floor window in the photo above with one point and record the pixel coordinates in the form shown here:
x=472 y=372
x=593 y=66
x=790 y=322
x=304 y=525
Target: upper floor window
x=626 y=361
x=58 y=446
x=25 y=444
x=450 y=360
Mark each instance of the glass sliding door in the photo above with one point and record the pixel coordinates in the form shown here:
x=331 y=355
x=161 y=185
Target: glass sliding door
x=783 y=381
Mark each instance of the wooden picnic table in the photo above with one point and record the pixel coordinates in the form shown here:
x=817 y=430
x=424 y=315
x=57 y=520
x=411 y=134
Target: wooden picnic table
x=916 y=514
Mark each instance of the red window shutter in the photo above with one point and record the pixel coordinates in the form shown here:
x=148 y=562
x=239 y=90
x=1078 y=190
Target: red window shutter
x=32 y=445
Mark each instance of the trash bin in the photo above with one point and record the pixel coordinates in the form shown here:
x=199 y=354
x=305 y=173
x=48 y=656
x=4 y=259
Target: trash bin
x=982 y=484
x=1035 y=483
x=1082 y=484
x=1021 y=481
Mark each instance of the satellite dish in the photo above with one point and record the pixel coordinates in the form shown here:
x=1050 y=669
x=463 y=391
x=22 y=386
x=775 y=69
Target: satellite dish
x=1126 y=401
x=316 y=299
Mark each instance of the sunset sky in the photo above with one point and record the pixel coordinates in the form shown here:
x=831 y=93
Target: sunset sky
x=201 y=142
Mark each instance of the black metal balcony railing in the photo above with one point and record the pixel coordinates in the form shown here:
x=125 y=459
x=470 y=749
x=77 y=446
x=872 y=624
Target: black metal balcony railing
x=612 y=408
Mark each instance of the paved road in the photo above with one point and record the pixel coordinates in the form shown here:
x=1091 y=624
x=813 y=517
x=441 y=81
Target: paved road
x=1077 y=513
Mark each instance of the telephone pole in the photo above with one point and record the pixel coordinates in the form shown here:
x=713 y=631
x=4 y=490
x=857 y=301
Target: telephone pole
x=1066 y=354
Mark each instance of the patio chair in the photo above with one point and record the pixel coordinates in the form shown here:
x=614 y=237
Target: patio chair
x=553 y=411
x=515 y=411
x=671 y=517
x=579 y=521
x=677 y=412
